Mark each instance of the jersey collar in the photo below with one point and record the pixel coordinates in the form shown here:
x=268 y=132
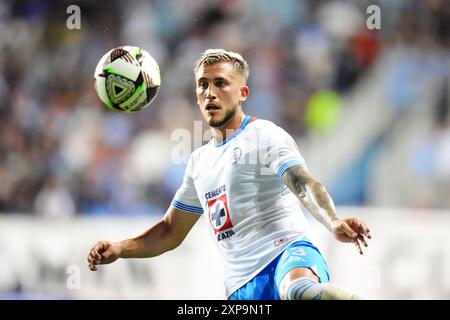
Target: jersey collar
x=246 y=121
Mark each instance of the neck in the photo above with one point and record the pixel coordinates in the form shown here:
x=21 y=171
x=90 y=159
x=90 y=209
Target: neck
x=228 y=129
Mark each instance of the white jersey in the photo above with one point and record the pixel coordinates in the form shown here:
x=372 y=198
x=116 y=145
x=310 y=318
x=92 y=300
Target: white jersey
x=237 y=184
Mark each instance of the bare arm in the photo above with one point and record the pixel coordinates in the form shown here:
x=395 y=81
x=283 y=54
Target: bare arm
x=311 y=194
x=165 y=235
x=315 y=198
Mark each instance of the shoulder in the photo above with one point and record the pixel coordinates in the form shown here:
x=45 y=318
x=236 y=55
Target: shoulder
x=268 y=129
x=262 y=124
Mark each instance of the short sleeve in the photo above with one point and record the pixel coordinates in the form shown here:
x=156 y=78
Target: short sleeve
x=279 y=150
x=186 y=198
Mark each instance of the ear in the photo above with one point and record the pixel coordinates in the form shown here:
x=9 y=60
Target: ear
x=244 y=93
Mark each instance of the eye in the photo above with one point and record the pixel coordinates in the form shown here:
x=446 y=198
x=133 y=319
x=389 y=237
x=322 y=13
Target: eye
x=220 y=83
x=203 y=85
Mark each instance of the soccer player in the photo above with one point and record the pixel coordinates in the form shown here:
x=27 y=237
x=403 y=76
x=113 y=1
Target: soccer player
x=247 y=181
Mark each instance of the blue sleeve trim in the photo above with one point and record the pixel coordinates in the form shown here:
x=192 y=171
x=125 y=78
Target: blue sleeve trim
x=286 y=166
x=185 y=207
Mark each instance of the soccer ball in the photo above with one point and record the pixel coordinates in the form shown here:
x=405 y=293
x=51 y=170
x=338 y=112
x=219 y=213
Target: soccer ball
x=127 y=79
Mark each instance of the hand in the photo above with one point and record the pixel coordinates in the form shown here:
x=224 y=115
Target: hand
x=103 y=252
x=351 y=230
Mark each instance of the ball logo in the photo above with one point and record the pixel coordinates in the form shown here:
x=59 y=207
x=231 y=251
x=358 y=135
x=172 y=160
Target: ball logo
x=219 y=215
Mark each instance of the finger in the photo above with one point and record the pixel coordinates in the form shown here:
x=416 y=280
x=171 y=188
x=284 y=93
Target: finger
x=97 y=248
x=345 y=238
x=96 y=252
x=366 y=232
x=95 y=259
x=364 y=228
x=102 y=247
x=97 y=255
x=348 y=231
x=90 y=258
x=358 y=246
x=361 y=238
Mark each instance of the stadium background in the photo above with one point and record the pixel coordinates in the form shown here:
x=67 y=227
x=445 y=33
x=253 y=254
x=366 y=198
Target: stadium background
x=368 y=108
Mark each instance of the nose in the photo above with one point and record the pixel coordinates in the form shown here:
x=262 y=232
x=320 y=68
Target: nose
x=210 y=94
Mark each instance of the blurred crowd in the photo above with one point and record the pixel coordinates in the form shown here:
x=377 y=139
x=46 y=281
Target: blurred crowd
x=64 y=153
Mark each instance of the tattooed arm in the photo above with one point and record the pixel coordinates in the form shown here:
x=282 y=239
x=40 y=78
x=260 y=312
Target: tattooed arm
x=316 y=199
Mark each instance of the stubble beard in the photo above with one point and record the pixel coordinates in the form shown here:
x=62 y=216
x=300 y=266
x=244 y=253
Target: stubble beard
x=228 y=116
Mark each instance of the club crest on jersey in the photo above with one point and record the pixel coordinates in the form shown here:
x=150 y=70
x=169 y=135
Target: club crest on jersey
x=219 y=217
x=236 y=155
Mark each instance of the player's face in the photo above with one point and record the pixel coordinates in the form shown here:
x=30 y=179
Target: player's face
x=220 y=91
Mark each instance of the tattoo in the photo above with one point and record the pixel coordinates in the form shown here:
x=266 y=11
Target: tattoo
x=323 y=198
x=296 y=178
x=311 y=193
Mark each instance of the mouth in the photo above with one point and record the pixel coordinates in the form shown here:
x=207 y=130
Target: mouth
x=212 y=107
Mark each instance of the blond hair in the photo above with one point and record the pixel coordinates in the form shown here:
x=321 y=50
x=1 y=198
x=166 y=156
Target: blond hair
x=213 y=56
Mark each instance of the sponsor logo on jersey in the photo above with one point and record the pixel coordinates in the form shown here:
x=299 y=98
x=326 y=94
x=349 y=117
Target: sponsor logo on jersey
x=297 y=251
x=214 y=193
x=219 y=217
x=224 y=235
x=295 y=259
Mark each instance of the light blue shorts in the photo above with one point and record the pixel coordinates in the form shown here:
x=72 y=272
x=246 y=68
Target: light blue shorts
x=264 y=286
